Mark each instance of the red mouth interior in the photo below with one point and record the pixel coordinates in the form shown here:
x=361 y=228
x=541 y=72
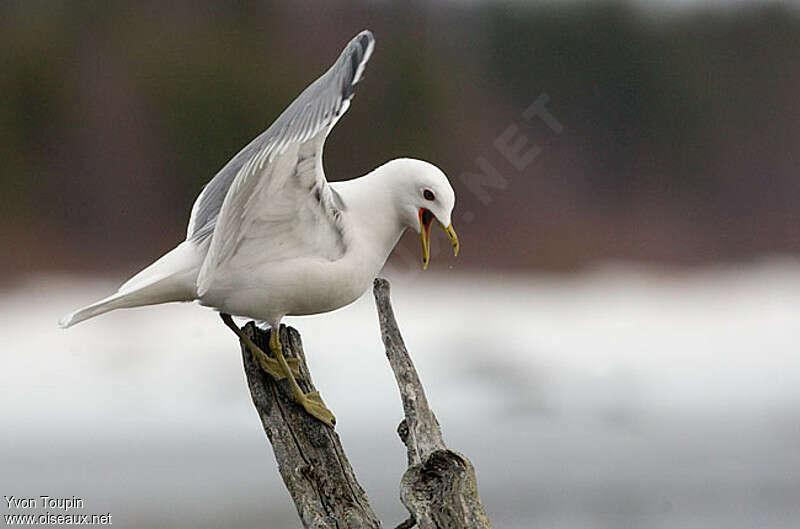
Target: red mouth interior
x=426 y=217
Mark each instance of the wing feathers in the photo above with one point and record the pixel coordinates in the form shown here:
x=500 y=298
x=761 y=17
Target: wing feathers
x=322 y=103
x=281 y=171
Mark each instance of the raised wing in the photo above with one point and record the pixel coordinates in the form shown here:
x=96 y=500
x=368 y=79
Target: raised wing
x=274 y=190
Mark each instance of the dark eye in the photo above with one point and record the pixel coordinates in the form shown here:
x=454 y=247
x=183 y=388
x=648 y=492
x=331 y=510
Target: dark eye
x=428 y=194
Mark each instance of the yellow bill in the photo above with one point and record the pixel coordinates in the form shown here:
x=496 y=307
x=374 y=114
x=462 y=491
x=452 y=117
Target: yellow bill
x=425 y=221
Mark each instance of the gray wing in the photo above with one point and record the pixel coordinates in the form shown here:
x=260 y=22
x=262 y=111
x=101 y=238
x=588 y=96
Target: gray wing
x=274 y=190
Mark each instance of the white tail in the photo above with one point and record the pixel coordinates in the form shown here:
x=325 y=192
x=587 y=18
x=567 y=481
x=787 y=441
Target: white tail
x=171 y=278
x=120 y=300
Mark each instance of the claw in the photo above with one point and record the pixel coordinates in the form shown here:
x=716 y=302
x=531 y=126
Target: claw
x=312 y=403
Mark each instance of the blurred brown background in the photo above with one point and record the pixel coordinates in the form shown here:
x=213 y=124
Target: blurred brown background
x=619 y=395
x=679 y=143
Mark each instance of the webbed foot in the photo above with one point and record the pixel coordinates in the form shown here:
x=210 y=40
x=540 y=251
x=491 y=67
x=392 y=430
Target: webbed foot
x=312 y=403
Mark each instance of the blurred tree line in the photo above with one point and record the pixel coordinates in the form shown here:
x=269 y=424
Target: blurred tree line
x=679 y=142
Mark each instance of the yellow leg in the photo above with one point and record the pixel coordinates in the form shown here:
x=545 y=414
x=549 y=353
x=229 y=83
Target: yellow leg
x=269 y=365
x=311 y=402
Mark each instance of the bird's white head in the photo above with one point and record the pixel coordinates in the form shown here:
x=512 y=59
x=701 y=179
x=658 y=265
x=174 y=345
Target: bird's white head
x=423 y=193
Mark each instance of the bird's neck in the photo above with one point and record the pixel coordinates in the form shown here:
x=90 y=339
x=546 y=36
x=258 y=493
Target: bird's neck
x=374 y=223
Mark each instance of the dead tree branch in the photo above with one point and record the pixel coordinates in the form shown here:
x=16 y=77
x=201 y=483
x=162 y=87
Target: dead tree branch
x=439 y=488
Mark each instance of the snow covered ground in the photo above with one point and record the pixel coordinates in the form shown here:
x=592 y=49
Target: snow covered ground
x=621 y=397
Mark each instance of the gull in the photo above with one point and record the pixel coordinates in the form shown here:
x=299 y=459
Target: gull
x=270 y=237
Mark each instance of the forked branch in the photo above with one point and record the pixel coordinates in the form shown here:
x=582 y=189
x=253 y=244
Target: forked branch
x=439 y=488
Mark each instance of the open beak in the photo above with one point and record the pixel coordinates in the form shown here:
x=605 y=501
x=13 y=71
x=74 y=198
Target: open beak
x=425 y=221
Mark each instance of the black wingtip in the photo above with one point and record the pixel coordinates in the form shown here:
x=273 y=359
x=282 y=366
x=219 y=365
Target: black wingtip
x=358 y=51
x=365 y=37
x=364 y=40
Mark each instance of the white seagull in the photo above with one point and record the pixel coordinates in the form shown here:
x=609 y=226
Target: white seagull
x=269 y=237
